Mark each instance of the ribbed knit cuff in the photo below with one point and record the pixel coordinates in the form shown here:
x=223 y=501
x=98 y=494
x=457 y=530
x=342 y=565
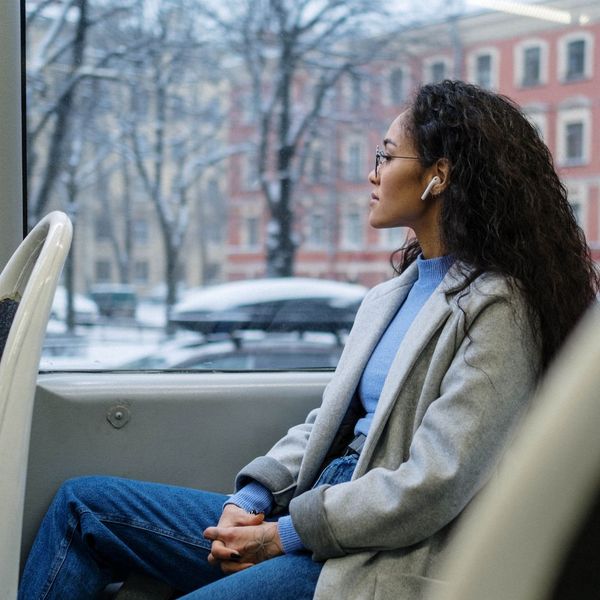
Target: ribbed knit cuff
x=290 y=540
x=253 y=498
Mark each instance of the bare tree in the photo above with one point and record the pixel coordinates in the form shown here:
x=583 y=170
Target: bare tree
x=60 y=32
x=284 y=45
x=173 y=139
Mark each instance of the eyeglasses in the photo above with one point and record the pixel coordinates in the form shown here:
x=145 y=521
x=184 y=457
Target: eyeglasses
x=380 y=156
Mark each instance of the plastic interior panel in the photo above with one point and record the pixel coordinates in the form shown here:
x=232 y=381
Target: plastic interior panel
x=183 y=428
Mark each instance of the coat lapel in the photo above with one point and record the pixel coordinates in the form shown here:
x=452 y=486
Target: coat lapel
x=368 y=328
x=430 y=318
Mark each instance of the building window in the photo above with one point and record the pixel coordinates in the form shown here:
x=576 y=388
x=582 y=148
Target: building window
x=574 y=142
x=483 y=70
x=354 y=164
x=575 y=55
x=397 y=91
x=353 y=230
x=317 y=231
x=252 y=232
x=212 y=212
x=438 y=71
x=436 y=68
x=103 y=271
x=247 y=107
x=317 y=172
x=532 y=66
x=574 y=132
x=576 y=196
x=575 y=60
x=392 y=238
x=141 y=271
x=140 y=231
x=250 y=173
x=482 y=67
x=102 y=228
x=356 y=93
x=531 y=63
x=538 y=120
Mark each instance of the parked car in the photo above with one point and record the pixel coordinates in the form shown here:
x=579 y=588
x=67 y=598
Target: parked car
x=86 y=310
x=114 y=299
x=266 y=352
x=278 y=304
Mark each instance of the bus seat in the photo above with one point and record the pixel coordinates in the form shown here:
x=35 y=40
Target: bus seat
x=27 y=286
x=522 y=535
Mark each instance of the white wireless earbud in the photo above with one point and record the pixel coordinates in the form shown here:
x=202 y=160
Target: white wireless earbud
x=434 y=181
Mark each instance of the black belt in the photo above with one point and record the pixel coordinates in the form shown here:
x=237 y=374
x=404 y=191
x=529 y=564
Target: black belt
x=356 y=445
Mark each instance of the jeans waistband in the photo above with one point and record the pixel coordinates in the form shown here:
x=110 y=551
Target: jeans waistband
x=357 y=444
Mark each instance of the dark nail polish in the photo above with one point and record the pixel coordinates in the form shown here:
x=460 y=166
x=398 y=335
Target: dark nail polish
x=235 y=556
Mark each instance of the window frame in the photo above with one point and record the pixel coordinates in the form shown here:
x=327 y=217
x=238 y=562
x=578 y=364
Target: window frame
x=472 y=60
x=579 y=191
x=311 y=242
x=389 y=89
x=519 y=62
x=348 y=242
x=566 y=115
x=429 y=63
x=563 y=59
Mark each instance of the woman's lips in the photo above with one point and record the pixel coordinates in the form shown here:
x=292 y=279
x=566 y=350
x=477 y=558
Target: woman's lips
x=374 y=199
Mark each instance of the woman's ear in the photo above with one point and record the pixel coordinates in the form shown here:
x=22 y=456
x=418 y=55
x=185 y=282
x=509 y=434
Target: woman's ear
x=442 y=171
x=439 y=177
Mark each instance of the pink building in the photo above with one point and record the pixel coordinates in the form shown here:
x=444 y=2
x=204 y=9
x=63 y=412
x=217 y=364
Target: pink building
x=551 y=70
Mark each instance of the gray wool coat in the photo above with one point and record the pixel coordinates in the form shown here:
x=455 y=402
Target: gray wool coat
x=447 y=409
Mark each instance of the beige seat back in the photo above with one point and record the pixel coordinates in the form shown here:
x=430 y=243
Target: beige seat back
x=515 y=538
x=29 y=279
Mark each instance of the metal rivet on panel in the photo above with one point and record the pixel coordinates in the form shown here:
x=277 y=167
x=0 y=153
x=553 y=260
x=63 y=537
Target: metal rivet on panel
x=118 y=415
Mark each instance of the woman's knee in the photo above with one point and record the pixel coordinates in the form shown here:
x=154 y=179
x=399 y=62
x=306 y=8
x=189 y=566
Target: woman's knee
x=86 y=492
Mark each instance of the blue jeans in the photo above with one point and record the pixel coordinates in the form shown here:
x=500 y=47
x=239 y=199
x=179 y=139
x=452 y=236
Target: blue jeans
x=99 y=529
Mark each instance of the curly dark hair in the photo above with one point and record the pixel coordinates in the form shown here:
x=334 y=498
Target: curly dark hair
x=504 y=209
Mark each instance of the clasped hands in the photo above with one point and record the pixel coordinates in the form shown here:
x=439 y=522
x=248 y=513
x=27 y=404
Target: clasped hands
x=241 y=539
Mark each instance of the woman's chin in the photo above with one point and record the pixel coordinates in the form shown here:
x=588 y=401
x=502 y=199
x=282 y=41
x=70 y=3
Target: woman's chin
x=374 y=221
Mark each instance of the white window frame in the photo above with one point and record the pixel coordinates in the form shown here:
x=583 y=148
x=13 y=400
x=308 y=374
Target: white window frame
x=350 y=175
x=519 y=61
x=311 y=242
x=588 y=67
x=348 y=242
x=250 y=181
x=494 y=55
x=538 y=117
x=316 y=150
x=432 y=60
x=246 y=241
x=406 y=85
x=392 y=238
x=564 y=117
x=352 y=84
x=578 y=196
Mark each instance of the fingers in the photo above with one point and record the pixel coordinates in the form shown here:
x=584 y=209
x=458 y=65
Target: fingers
x=235 y=516
x=220 y=552
x=229 y=560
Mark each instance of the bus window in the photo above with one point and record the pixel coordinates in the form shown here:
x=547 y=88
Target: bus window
x=192 y=159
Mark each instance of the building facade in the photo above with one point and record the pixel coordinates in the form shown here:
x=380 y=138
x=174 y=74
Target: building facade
x=551 y=69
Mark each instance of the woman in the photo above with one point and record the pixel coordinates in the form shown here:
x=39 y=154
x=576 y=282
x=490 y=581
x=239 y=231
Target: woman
x=440 y=364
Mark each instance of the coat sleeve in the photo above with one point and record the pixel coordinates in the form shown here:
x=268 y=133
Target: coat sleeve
x=278 y=469
x=453 y=451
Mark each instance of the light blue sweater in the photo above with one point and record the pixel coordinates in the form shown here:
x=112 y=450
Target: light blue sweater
x=256 y=498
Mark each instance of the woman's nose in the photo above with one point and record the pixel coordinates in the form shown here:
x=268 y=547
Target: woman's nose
x=372 y=177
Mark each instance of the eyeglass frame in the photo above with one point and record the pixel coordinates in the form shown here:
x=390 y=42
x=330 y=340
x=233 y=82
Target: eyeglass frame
x=380 y=155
